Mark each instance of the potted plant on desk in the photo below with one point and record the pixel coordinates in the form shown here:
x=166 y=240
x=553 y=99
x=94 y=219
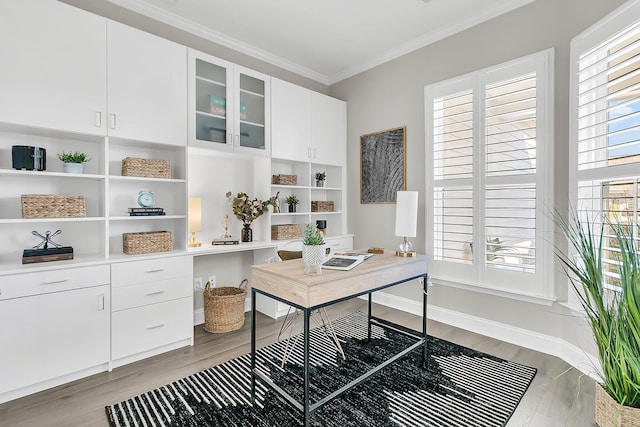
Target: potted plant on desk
x=312 y=250
x=612 y=310
x=247 y=210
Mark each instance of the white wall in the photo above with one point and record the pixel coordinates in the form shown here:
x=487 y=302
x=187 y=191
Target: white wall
x=391 y=95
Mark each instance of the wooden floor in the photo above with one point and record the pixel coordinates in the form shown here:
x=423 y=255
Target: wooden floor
x=555 y=398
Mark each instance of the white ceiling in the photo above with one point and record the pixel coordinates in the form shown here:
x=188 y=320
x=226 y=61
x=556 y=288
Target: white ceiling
x=327 y=40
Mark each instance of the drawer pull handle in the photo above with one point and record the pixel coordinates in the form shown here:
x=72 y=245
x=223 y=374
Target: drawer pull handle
x=155 y=293
x=54 y=282
x=156 y=326
x=155 y=271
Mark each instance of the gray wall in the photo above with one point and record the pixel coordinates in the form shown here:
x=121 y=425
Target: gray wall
x=391 y=95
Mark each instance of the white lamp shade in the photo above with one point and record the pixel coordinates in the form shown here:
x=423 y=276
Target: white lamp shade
x=406 y=213
x=195 y=214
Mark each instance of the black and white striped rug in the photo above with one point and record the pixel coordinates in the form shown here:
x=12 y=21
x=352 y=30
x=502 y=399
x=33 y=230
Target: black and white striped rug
x=459 y=387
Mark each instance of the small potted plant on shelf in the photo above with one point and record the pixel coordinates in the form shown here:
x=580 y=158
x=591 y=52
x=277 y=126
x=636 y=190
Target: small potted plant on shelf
x=312 y=249
x=611 y=309
x=292 y=201
x=320 y=177
x=73 y=161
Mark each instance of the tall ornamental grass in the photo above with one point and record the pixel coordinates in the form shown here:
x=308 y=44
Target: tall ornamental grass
x=613 y=314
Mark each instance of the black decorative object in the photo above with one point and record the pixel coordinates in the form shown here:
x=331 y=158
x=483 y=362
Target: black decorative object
x=29 y=158
x=246 y=233
x=459 y=386
x=43 y=253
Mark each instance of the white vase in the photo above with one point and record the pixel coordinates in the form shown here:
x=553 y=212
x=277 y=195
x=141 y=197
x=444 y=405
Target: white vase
x=72 y=168
x=313 y=257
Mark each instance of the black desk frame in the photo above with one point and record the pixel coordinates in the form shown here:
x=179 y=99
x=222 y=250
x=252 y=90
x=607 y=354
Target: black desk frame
x=306 y=407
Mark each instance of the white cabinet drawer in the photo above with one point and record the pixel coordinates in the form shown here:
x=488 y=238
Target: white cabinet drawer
x=145 y=328
x=151 y=270
x=140 y=294
x=48 y=281
x=339 y=244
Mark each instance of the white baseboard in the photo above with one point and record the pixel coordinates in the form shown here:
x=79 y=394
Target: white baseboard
x=547 y=344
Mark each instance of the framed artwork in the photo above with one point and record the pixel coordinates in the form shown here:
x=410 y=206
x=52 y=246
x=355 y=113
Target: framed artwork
x=382 y=165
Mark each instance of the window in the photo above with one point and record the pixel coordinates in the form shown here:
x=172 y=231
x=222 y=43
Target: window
x=488 y=138
x=606 y=126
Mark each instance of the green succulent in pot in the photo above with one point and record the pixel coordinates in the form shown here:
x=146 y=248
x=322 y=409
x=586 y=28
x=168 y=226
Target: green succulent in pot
x=76 y=157
x=612 y=311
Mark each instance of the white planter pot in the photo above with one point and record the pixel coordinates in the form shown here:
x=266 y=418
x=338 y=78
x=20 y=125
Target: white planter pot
x=72 y=168
x=313 y=257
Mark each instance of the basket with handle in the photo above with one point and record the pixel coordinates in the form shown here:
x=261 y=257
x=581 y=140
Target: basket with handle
x=224 y=307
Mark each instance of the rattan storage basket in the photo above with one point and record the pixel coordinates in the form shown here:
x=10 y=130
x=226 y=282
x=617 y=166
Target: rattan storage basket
x=321 y=206
x=609 y=413
x=148 y=168
x=224 y=307
x=285 y=231
x=52 y=206
x=284 y=179
x=147 y=242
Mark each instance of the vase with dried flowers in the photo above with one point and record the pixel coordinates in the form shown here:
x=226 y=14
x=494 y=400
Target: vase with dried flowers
x=248 y=210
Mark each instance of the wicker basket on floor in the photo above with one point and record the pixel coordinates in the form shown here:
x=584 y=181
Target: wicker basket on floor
x=224 y=307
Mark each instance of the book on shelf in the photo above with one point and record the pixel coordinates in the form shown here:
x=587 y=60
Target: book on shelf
x=225 y=241
x=146 y=213
x=342 y=262
x=144 y=210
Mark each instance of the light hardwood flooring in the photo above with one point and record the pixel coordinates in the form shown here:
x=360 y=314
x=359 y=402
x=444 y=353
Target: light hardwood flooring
x=555 y=398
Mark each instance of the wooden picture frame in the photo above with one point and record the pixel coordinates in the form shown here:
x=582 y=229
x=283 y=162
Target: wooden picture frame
x=383 y=165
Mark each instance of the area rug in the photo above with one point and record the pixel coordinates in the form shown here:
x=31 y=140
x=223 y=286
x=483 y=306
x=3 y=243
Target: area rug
x=458 y=387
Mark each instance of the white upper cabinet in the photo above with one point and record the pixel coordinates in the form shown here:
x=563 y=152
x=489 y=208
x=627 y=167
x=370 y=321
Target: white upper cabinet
x=147 y=86
x=328 y=130
x=52 y=66
x=307 y=126
x=229 y=106
x=290 y=121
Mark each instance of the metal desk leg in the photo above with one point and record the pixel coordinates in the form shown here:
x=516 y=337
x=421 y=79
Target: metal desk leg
x=424 y=282
x=306 y=403
x=253 y=346
x=369 y=319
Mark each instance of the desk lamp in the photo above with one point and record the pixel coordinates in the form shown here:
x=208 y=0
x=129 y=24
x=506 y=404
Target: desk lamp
x=195 y=220
x=406 y=220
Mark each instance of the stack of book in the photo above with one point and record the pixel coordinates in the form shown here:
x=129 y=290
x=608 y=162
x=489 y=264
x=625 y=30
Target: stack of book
x=146 y=211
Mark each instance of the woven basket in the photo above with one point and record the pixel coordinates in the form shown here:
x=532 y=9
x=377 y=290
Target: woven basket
x=608 y=413
x=284 y=179
x=224 y=307
x=285 y=231
x=132 y=166
x=321 y=206
x=52 y=206
x=146 y=242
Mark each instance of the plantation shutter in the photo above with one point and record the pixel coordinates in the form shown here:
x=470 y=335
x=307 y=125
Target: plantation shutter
x=485 y=174
x=607 y=130
x=510 y=168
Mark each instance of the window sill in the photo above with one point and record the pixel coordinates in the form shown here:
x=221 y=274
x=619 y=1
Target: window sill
x=534 y=299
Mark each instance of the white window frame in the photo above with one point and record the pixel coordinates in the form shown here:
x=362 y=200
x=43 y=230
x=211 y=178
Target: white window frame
x=538 y=286
x=619 y=20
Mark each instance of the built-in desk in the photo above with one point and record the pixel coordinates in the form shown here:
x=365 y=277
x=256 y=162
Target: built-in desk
x=286 y=282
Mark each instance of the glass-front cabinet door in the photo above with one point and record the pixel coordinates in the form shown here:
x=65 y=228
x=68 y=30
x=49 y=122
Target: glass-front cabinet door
x=229 y=106
x=253 y=111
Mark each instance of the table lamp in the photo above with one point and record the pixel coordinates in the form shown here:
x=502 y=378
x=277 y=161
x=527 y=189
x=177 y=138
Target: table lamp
x=406 y=221
x=195 y=220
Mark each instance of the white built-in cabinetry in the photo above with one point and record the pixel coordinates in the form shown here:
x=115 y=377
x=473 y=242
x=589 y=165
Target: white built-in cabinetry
x=74 y=81
x=54 y=323
x=228 y=107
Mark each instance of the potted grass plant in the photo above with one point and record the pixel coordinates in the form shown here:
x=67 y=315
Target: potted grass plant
x=312 y=249
x=612 y=310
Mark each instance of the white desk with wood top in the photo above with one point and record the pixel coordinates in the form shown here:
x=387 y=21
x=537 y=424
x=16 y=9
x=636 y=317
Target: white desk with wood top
x=286 y=282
